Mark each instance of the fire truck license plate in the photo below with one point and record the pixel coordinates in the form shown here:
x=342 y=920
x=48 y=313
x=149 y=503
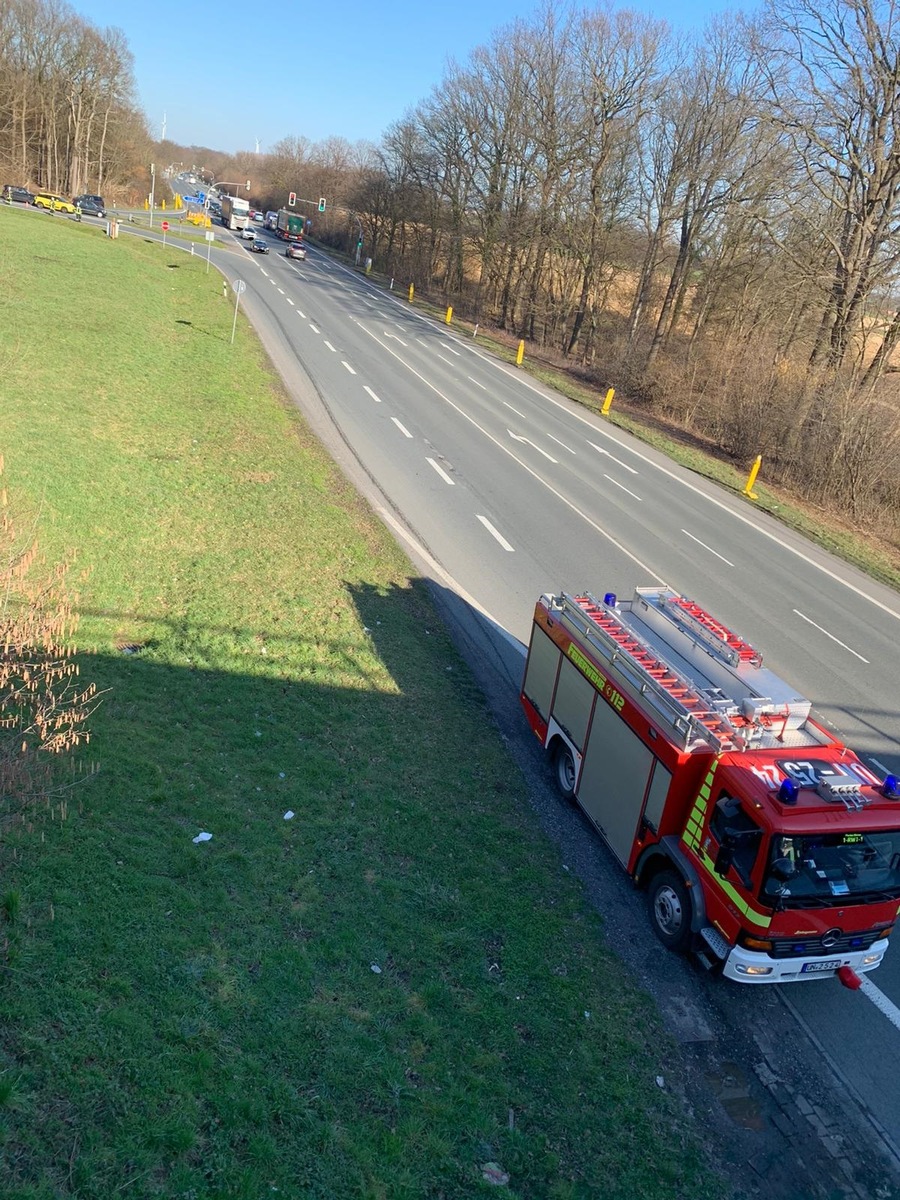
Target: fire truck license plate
x=832 y=964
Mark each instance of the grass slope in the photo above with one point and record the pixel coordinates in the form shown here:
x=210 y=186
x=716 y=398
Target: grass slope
x=207 y=1021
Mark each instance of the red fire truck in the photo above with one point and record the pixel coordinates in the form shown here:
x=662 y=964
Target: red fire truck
x=764 y=845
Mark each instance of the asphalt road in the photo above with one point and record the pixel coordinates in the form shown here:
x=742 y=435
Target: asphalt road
x=501 y=490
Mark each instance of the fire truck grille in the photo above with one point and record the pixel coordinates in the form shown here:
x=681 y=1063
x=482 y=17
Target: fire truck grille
x=845 y=944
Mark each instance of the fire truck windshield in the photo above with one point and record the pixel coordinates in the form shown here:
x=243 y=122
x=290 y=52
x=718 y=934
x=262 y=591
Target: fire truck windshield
x=816 y=870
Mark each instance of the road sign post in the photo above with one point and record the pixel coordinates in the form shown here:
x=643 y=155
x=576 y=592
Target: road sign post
x=239 y=286
x=210 y=238
x=165 y=229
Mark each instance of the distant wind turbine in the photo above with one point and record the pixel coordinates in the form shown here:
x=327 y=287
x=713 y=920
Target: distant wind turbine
x=257 y=145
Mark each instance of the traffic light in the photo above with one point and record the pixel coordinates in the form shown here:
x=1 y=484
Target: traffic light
x=321 y=204
x=359 y=244
x=292 y=199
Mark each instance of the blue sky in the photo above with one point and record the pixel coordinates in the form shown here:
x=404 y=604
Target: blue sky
x=226 y=75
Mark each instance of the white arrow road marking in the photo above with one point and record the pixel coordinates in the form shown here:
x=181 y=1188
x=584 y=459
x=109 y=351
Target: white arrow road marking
x=377 y=399
x=402 y=428
x=493 y=532
x=394 y=336
x=843 y=645
x=600 y=450
x=440 y=470
x=621 y=485
x=705 y=547
x=517 y=438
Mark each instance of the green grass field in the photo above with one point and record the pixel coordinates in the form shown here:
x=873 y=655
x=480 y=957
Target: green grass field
x=376 y=998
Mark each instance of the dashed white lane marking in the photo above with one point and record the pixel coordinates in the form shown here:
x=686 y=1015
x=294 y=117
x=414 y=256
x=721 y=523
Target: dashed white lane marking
x=344 y=363
x=448 y=361
x=394 y=336
x=880 y=1000
x=559 y=443
x=266 y=273
x=301 y=314
x=705 y=547
x=633 y=495
x=330 y=347
x=289 y=300
x=313 y=328
x=281 y=291
x=377 y=399
x=440 y=470
x=422 y=341
x=843 y=645
x=600 y=450
x=452 y=351
x=515 y=410
x=494 y=533
x=598 y=528
x=402 y=428
x=477 y=384
x=518 y=438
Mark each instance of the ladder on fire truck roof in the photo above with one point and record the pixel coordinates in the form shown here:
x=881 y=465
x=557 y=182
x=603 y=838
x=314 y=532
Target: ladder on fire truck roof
x=698 y=710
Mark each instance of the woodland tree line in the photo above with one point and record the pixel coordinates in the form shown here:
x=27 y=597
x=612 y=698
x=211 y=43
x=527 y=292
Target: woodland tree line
x=709 y=222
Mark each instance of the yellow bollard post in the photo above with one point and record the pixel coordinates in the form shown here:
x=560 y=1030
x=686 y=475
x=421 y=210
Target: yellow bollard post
x=412 y=292
x=751 y=478
x=164 y=206
x=521 y=354
x=607 y=403
x=449 y=316
x=146 y=205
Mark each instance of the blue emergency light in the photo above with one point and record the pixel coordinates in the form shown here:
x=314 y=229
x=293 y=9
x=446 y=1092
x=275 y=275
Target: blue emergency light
x=788 y=792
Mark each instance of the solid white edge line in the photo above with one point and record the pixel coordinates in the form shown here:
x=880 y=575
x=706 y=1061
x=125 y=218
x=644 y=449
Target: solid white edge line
x=883 y=1003
x=401 y=427
x=440 y=470
x=495 y=533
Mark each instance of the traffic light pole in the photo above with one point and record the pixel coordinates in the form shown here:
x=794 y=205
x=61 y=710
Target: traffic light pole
x=359 y=240
x=294 y=199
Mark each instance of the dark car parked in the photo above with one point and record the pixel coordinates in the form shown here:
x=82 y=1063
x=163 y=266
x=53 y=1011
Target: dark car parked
x=91 y=206
x=19 y=194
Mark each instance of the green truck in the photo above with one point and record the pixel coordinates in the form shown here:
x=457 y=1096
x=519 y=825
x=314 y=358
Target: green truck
x=289 y=226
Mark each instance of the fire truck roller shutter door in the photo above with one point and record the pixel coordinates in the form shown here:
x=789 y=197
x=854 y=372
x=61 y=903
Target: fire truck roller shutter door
x=615 y=776
x=573 y=702
x=540 y=673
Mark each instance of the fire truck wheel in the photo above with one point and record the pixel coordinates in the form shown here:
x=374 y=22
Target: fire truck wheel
x=565 y=770
x=670 y=910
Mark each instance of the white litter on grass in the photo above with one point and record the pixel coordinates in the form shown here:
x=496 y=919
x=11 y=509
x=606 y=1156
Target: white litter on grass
x=281 y=774
x=376 y=969
x=202 y=837
x=289 y=815
x=660 y=1082
x=587 y=1014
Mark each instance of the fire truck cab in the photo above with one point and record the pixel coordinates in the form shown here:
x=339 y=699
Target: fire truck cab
x=763 y=843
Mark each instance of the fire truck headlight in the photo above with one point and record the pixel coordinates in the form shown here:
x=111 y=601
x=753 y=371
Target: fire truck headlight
x=749 y=969
x=871 y=958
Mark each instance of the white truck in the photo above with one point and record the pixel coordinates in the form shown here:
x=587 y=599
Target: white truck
x=235 y=212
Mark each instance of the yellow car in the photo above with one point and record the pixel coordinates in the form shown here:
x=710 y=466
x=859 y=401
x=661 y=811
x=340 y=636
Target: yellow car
x=51 y=203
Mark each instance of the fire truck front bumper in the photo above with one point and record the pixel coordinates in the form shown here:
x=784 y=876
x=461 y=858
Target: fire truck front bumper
x=755 y=966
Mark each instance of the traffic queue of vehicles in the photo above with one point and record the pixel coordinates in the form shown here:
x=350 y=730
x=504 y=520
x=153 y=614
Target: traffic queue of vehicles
x=88 y=204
